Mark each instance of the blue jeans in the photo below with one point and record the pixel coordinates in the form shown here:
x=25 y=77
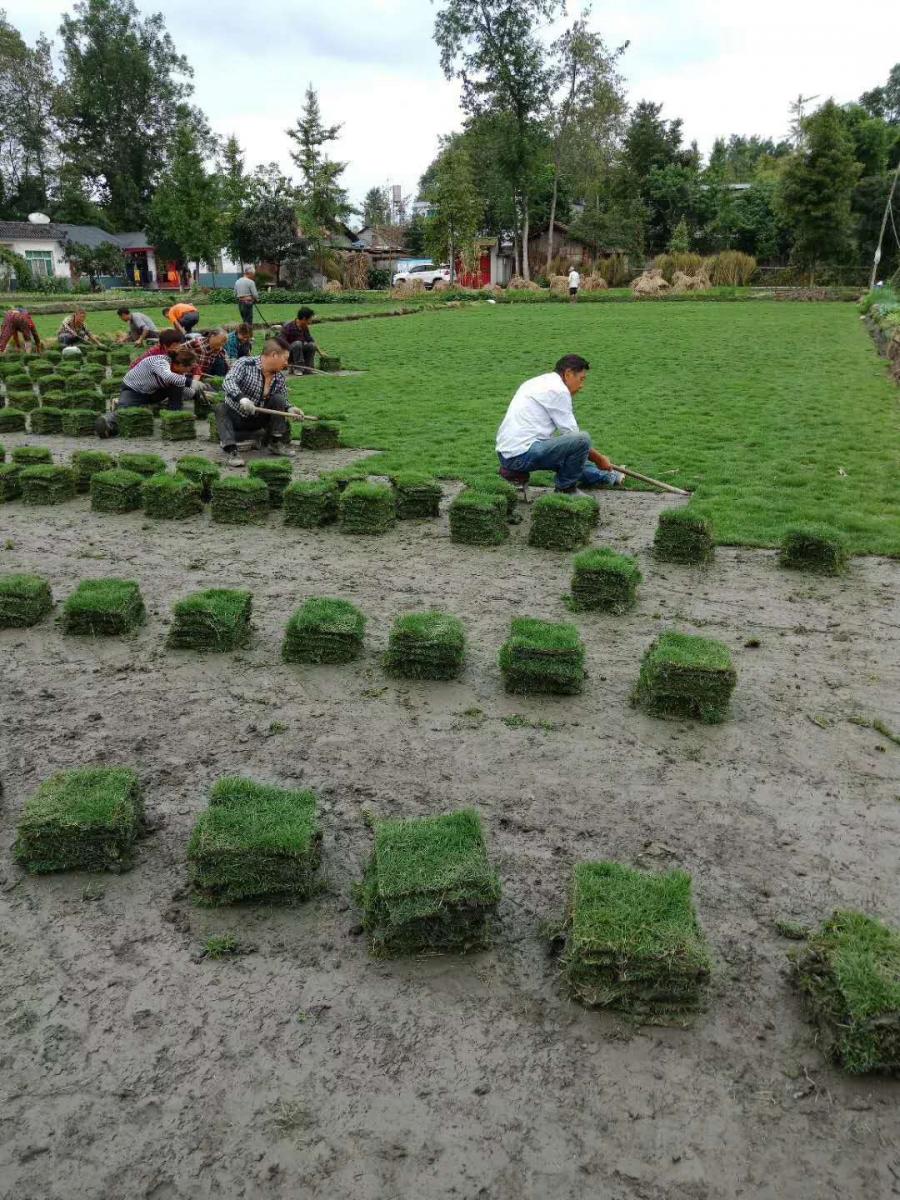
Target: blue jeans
x=566 y=455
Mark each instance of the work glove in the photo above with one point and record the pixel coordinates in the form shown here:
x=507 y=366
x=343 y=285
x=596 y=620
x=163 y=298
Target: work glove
x=296 y=413
x=247 y=407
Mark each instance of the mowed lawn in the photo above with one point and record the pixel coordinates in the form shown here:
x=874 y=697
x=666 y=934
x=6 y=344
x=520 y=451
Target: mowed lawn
x=771 y=412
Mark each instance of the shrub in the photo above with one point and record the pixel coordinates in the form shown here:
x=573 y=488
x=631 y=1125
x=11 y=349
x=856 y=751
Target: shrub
x=83 y=820
x=615 y=269
x=200 y=471
x=31 y=456
x=46 y=420
x=814 y=548
x=604 y=581
x=429 y=645
x=309 y=503
x=367 y=508
x=562 y=522
x=104 y=607
x=418 y=496
x=171 y=497
x=324 y=631
x=12 y=420
x=686 y=677
x=731 y=268
x=217 y=619
x=116 y=491
x=177 y=426
x=87 y=463
x=276 y=475
x=320 y=435
x=10 y=487
x=478 y=519
x=47 y=484
x=683 y=536
x=541 y=656
x=135 y=422
x=240 y=501
x=79 y=422
x=24 y=600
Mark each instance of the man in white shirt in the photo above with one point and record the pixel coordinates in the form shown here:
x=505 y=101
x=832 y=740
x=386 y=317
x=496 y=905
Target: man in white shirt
x=246 y=295
x=541 y=408
x=574 y=284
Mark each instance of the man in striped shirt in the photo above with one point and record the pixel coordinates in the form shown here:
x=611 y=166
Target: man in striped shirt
x=155 y=380
x=253 y=383
x=18 y=324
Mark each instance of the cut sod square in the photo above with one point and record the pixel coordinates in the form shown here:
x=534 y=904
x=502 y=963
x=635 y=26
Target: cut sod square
x=143 y=464
x=116 y=491
x=171 y=497
x=368 y=508
x=562 y=522
x=429 y=887
x=87 y=463
x=203 y=405
x=12 y=420
x=52 y=381
x=46 y=420
x=105 y=607
x=686 y=677
x=494 y=486
x=24 y=401
x=542 y=656
x=217 y=619
x=634 y=943
x=329 y=362
x=2 y=454
x=79 y=422
x=177 y=426
x=814 y=548
x=310 y=502
x=479 y=519
x=40 y=366
x=10 y=486
x=342 y=477
x=31 y=456
x=94 y=371
x=256 y=842
x=418 y=496
x=134 y=422
x=849 y=974
x=240 y=501
x=55 y=399
x=83 y=820
x=17 y=379
x=24 y=600
x=604 y=581
x=320 y=435
x=428 y=645
x=683 y=537
x=324 y=631
x=276 y=475
x=200 y=471
x=47 y=484
x=213 y=429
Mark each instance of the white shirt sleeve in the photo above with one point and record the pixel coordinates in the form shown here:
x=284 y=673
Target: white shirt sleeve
x=558 y=405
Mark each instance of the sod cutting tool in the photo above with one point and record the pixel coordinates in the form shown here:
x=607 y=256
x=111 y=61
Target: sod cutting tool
x=599 y=461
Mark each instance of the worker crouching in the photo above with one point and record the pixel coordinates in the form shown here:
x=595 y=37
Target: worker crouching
x=253 y=384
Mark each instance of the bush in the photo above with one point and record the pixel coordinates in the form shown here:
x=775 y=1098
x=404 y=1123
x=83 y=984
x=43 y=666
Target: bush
x=116 y=491
x=217 y=619
x=324 y=631
x=683 y=537
x=604 y=581
x=309 y=503
x=541 y=656
x=237 y=501
x=686 y=678
x=276 y=474
x=367 y=508
x=46 y=420
x=379 y=279
x=24 y=600
x=87 y=463
x=47 y=484
x=562 y=522
x=31 y=456
x=104 y=607
x=429 y=645
x=479 y=519
x=815 y=548
x=615 y=269
x=171 y=497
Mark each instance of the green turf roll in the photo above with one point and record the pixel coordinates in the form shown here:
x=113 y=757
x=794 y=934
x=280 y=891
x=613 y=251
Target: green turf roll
x=542 y=657
x=604 y=581
x=177 y=426
x=200 y=471
x=562 y=522
x=47 y=484
x=10 y=486
x=324 y=631
x=87 y=463
x=116 y=491
x=427 y=645
x=135 y=422
x=683 y=537
x=418 y=496
x=815 y=548
x=367 y=508
x=217 y=619
x=24 y=401
x=31 y=456
x=478 y=519
x=12 y=420
x=24 y=600
x=320 y=435
x=171 y=497
x=686 y=677
x=104 y=607
x=79 y=422
x=240 y=501
x=310 y=503
x=276 y=475
x=46 y=420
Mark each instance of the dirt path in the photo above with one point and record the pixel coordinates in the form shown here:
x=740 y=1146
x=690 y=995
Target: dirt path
x=131 y=1068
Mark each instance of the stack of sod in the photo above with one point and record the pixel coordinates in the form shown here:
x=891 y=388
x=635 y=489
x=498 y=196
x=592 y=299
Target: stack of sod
x=308 y=503
x=17 y=380
x=10 y=487
x=40 y=367
x=237 y=501
x=213 y=429
x=429 y=887
x=203 y=406
x=2 y=454
x=23 y=401
x=683 y=537
x=53 y=356
x=200 y=471
x=367 y=508
x=177 y=426
x=143 y=464
x=24 y=600
x=87 y=463
x=541 y=656
x=344 y=476
x=814 y=548
x=634 y=942
x=418 y=496
x=479 y=519
x=320 y=435
x=686 y=677
x=324 y=631
x=135 y=422
x=276 y=475
x=214 y=382
x=329 y=362
x=46 y=420
x=55 y=399
x=92 y=400
x=47 y=484
x=849 y=974
x=256 y=842
x=31 y=456
x=79 y=422
x=604 y=581
x=104 y=606
x=12 y=420
x=94 y=371
x=217 y=619
x=428 y=645
x=171 y=497
x=83 y=820
x=562 y=522
x=116 y=491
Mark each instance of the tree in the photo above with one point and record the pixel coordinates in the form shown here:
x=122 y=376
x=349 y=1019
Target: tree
x=27 y=127
x=376 y=207
x=322 y=197
x=816 y=190
x=186 y=211
x=456 y=211
x=105 y=259
x=123 y=87
x=233 y=185
x=266 y=228
x=680 y=241
x=884 y=102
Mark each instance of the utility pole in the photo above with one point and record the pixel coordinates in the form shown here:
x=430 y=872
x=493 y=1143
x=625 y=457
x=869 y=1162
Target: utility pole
x=884 y=221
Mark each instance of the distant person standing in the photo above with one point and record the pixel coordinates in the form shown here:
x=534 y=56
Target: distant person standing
x=246 y=294
x=19 y=328
x=574 y=284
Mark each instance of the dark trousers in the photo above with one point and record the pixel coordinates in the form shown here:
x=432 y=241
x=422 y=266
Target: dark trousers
x=218 y=366
x=188 y=321
x=303 y=354
x=245 y=307
x=234 y=427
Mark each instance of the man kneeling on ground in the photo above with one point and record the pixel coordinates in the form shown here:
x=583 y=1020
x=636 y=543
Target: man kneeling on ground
x=541 y=408
x=303 y=346
x=156 y=380
x=252 y=383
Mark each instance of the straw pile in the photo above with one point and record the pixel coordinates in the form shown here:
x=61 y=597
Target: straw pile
x=177 y=426
x=104 y=606
x=12 y=420
x=683 y=537
x=239 y=501
x=143 y=464
x=418 y=496
x=324 y=631
x=604 y=581
x=320 y=435
x=479 y=519
x=171 y=498
x=135 y=422
x=87 y=463
x=217 y=619
x=309 y=503
x=10 y=487
x=428 y=645
x=562 y=522
x=46 y=420
x=47 y=485
x=367 y=508
x=79 y=422
x=686 y=677
x=815 y=548
x=31 y=456
x=24 y=600
x=541 y=656
x=200 y=471
x=276 y=475
x=116 y=491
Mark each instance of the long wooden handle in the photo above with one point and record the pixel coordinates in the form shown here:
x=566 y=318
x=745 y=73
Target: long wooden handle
x=666 y=487
x=280 y=412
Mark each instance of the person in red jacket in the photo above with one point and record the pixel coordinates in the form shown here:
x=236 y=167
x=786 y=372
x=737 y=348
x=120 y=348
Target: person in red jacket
x=18 y=324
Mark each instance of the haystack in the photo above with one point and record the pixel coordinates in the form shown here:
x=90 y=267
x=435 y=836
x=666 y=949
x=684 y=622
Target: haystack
x=651 y=283
x=518 y=284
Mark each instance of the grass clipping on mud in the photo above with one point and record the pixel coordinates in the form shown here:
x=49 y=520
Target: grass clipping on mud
x=82 y=820
x=686 y=677
x=217 y=619
x=429 y=886
x=634 y=943
x=24 y=600
x=324 y=631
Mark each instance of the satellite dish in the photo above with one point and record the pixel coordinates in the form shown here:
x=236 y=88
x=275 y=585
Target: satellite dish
x=38 y=219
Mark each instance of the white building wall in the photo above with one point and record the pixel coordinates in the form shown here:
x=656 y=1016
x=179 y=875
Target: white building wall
x=60 y=266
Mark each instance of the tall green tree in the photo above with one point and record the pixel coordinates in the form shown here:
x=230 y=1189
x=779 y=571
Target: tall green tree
x=451 y=230
x=28 y=141
x=884 y=102
x=266 y=228
x=233 y=190
x=376 y=208
x=186 y=211
x=322 y=196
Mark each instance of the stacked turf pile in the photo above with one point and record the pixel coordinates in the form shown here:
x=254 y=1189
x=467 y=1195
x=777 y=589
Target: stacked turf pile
x=237 y=501
x=200 y=471
x=604 y=581
x=686 y=677
x=344 y=476
x=24 y=401
x=88 y=463
x=562 y=522
x=47 y=485
x=541 y=656
x=479 y=519
x=116 y=491
x=135 y=422
x=104 y=606
x=203 y=404
x=429 y=645
x=367 y=508
x=329 y=362
x=683 y=537
x=275 y=474
x=429 y=887
x=324 y=631
x=78 y=422
x=10 y=487
x=24 y=600
x=83 y=820
x=217 y=619
x=46 y=420
x=171 y=497
x=494 y=486
x=814 y=548
x=256 y=842
x=12 y=420
x=634 y=943
x=31 y=456
x=418 y=496
x=144 y=465
x=309 y=503
x=54 y=399
x=849 y=973
x=177 y=426
x=320 y=435
x=213 y=429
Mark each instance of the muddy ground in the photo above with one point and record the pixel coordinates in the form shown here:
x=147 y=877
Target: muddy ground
x=131 y=1066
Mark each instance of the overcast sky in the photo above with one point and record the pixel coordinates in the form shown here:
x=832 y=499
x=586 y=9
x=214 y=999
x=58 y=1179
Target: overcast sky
x=721 y=65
